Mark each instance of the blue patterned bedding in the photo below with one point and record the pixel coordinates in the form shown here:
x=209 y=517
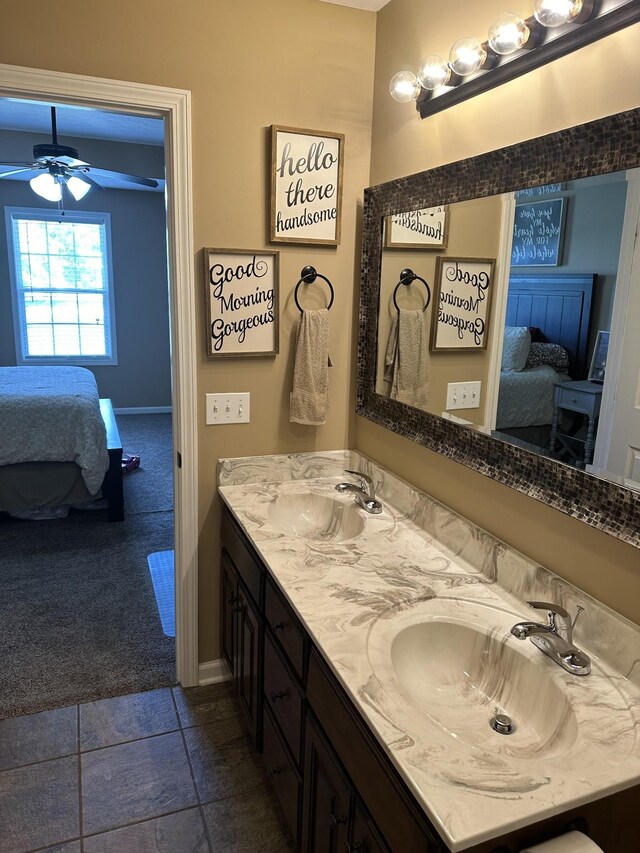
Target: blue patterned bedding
x=526 y=397
x=52 y=414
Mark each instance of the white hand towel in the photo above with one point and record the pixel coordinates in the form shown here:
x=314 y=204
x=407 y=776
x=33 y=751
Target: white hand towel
x=571 y=842
x=407 y=359
x=310 y=396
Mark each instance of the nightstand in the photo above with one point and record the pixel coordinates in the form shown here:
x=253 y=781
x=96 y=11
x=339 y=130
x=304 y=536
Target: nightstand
x=582 y=397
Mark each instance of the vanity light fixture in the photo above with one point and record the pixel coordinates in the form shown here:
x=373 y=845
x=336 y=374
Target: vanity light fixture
x=434 y=72
x=404 y=87
x=466 y=56
x=508 y=33
x=514 y=46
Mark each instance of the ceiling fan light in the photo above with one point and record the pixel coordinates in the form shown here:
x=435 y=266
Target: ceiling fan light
x=46 y=186
x=77 y=187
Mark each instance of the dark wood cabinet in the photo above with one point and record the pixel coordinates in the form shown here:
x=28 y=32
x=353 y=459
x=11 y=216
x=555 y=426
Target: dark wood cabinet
x=326 y=798
x=229 y=594
x=283 y=773
x=364 y=836
x=339 y=791
x=248 y=661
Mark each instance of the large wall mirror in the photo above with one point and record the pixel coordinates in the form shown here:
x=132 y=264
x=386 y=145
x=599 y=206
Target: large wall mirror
x=497 y=306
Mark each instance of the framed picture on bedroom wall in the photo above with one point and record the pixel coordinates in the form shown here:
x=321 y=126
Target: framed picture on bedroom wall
x=538 y=233
x=242 y=302
x=463 y=290
x=306 y=186
x=417 y=229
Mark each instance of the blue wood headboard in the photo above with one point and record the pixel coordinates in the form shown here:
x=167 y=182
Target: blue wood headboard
x=560 y=307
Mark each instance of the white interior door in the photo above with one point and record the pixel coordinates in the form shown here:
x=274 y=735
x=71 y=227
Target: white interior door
x=618 y=444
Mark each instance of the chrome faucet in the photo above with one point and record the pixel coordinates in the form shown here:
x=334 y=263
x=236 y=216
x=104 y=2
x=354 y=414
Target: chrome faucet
x=555 y=638
x=364 y=493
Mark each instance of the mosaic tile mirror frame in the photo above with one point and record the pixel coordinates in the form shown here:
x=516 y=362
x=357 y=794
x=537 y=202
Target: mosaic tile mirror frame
x=607 y=145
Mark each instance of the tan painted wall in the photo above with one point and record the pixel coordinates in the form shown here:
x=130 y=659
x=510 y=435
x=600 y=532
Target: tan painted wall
x=598 y=80
x=474 y=232
x=248 y=64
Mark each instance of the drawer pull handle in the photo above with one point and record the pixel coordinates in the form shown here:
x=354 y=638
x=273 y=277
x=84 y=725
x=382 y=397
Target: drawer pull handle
x=278 y=626
x=574 y=400
x=356 y=847
x=337 y=821
x=275 y=771
x=280 y=695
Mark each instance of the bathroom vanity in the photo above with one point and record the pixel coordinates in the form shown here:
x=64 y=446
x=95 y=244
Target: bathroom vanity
x=369 y=653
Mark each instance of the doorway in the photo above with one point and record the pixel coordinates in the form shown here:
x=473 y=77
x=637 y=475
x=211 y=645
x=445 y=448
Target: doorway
x=174 y=107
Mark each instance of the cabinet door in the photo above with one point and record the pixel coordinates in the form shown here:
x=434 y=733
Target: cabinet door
x=229 y=603
x=327 y=798
x=248 y=657
x=364 y=836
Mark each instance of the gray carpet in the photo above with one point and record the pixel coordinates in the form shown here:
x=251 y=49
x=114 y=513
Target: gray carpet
x=78 y=617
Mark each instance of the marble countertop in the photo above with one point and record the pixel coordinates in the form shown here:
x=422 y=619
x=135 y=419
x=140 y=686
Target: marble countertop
x=415 y=557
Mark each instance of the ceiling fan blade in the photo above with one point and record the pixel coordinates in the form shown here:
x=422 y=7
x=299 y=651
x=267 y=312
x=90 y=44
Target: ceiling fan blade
x=71 y=162
x=85 y=176
x=120 y=176
x=24 y=170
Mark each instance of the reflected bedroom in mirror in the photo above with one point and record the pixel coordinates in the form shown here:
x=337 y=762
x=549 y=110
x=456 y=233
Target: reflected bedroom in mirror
x=506 y=314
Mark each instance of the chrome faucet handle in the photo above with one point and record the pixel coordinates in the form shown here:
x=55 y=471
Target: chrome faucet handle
x=554 y=610
x=366 y=483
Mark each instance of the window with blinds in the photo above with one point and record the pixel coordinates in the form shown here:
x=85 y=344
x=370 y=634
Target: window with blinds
x=62 y=286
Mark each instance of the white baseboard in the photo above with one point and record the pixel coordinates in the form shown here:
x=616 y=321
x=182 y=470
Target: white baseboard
x=213 y=672
x=144 y=410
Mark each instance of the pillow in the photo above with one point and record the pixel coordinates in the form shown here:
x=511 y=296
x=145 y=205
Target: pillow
x=515 y=348
x=555 y=355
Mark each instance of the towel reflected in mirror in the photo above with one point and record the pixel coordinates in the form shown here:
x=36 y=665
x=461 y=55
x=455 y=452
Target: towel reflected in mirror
x=406 y=363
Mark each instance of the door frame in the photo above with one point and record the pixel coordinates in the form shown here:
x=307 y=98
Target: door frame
x=619 y=320
x=174 y=106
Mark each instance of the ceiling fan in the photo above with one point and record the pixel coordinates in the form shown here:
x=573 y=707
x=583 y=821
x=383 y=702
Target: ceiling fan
x=57 y=168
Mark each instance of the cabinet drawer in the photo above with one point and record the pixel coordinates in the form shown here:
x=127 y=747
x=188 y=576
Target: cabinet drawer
x=397 y=817
x=283 y=698
x=577 y=400
x=283 y=625
x=249 y=570
x=283 y=775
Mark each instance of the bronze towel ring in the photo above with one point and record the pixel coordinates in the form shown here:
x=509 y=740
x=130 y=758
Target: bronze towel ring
x=407 y=277
x=308 y=276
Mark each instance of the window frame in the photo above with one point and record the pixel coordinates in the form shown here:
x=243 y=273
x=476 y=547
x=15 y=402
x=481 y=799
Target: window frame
x=19 y=319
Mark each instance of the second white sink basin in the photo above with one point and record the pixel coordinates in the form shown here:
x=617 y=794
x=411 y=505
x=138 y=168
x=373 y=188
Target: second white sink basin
x=462 y=675
x=318 y=517
x=454 y=662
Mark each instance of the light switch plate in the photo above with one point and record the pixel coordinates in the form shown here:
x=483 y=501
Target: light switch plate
x=463 y=395
x=227 y=408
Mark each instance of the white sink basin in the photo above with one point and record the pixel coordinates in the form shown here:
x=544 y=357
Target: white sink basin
x=453 y=662
x=461 y=675
x=318 y=517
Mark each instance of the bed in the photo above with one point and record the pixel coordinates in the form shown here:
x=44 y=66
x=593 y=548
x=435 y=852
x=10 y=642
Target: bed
x=59 y=442
x=557 y=310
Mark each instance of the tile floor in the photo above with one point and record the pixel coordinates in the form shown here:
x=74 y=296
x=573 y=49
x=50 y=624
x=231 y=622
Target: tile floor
x=167 y=771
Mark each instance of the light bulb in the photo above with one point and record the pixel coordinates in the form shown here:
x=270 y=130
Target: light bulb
x=77 y=187
x=46 y=186
x=508 y=33
x=433 y=72
x=555 y=13
x=404 y=87
x=467 y=55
